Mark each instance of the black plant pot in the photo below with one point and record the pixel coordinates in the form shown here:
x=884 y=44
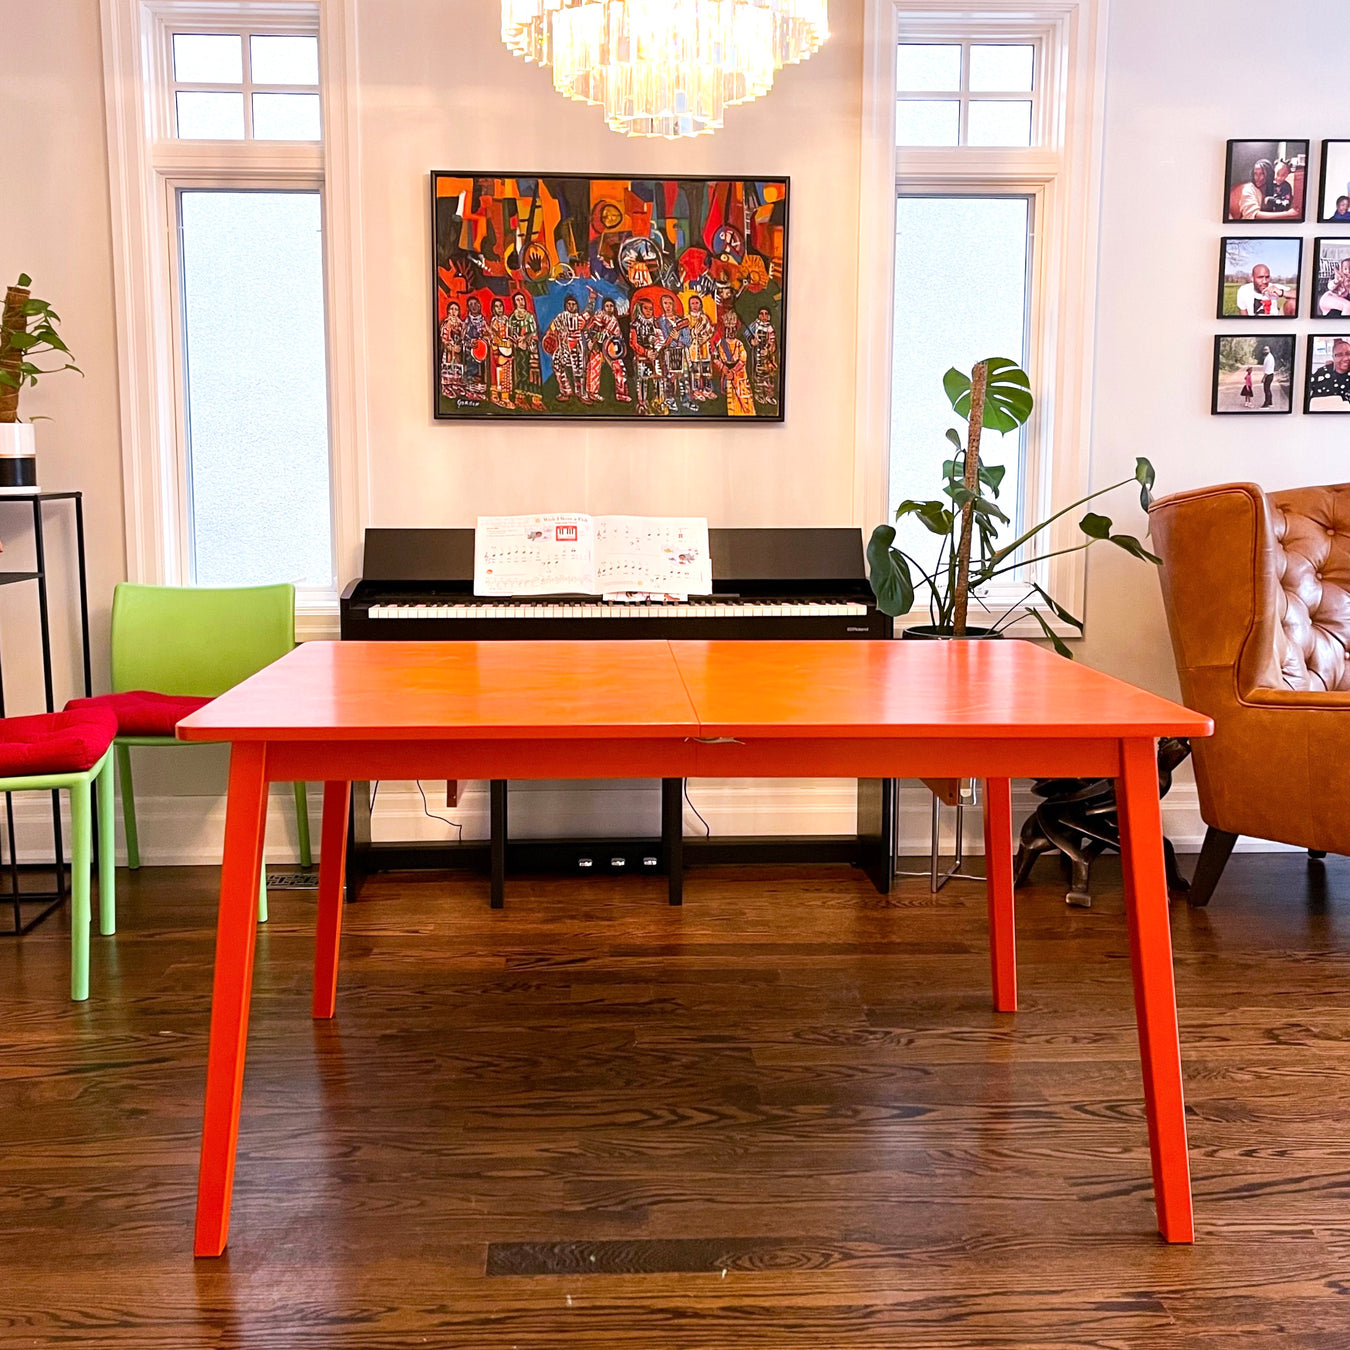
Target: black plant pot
x=928 y=632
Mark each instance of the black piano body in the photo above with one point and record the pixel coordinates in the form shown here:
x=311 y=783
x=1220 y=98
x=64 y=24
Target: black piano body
x=771 y=583
x=417 y=585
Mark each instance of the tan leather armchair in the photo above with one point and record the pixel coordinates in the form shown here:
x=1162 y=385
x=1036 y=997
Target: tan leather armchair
x=1257 y=590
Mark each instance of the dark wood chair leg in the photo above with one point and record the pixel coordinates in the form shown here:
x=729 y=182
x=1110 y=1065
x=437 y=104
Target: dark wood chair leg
x=1176 y=883
x=1213 y=855
x=1316 y=854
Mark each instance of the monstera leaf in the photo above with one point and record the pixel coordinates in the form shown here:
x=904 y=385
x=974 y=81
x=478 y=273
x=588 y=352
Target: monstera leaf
x=1007 y=401
x=889 y=573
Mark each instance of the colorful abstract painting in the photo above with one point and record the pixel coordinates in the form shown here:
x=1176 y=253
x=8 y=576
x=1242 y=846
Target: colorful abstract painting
x=563 y=296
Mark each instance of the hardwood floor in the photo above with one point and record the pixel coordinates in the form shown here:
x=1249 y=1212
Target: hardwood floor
x=784 y=1116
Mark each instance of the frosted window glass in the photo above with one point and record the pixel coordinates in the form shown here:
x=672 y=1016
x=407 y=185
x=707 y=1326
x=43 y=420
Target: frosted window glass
x=208 y=58
x=924 y=68
x=210 y=117
x=257 y=388
x=927 y=122
x=998 y=123
x=286 y=117
x=960 y=296
x=286 y=60
x=1002 y=69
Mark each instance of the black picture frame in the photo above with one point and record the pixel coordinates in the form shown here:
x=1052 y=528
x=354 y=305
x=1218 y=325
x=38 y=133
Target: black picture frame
x=1325 y=217
x=755 y=210
x=1329 y=253
x=1250 y=251
x=1319 y=356
x=1240 y=161
x=1228 y=392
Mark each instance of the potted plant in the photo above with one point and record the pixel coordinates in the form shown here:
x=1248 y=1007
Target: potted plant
x=27 y=332
x=996 y=395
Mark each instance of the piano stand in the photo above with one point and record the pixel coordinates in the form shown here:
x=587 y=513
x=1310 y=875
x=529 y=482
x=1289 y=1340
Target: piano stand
x=672 y=835
x=872 y=848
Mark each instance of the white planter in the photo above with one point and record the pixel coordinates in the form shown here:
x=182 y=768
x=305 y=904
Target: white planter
x=18 y=458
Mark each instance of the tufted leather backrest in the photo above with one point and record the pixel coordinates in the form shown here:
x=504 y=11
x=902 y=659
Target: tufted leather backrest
x=1257 y=592
x=1311 y=554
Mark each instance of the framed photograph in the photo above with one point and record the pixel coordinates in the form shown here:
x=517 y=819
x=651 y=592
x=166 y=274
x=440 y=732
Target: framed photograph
x=1331 y=279
x=1333 y=202
x=1266 y=181
x=1258 y=277
x=1254 y=373
x=1327 y=389
x=563 y=296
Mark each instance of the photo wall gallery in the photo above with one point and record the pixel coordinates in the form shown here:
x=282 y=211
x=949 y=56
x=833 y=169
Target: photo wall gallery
x=1262 y=280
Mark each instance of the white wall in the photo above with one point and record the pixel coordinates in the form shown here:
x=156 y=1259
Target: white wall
x=54 y=226
x=1180 y=84
x=438 y=90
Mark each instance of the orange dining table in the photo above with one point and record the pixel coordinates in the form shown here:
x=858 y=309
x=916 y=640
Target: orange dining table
x=340 y=712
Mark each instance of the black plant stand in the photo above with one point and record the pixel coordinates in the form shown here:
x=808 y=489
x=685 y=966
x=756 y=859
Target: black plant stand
x=10 y=894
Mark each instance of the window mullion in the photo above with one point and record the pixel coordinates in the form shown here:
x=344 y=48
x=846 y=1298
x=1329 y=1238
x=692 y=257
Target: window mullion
x=245 y=39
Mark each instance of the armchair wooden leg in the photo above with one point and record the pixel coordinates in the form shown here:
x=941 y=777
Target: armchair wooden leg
x=1213 y=855
x=1316 y=854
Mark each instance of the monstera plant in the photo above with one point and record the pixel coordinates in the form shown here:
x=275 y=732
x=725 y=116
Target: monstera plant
x=995 y=396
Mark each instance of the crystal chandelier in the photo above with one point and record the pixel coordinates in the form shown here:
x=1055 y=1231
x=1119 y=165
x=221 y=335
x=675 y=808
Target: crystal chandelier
x=664 y=67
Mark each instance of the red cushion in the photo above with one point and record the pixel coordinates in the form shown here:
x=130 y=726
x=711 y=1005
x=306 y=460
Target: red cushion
x=140 y=712
x=64 y=742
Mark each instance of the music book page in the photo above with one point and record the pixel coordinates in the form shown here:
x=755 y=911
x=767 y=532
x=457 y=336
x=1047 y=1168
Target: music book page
x=551 y=554
x=574 y=554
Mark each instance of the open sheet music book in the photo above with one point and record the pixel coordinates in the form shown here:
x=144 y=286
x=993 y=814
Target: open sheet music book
x=573 y=554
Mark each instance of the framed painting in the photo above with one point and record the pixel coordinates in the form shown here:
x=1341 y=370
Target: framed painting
x=562 y=296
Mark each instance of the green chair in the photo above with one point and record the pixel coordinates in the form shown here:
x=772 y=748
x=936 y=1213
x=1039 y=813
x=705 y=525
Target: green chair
x=79 y=785
x=196 y=641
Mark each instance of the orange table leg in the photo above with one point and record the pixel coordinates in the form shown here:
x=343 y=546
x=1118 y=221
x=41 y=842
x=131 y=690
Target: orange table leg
x=1155 y=1002
x=998 y=867
x=236 y=933
x=332 y=873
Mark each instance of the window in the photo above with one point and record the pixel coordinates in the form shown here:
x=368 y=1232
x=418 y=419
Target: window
x=245 y=86
x=231 y=294
x=983 y=132
x=249 y=340
x=256 y=389
x=965 y=93
x=962 y=281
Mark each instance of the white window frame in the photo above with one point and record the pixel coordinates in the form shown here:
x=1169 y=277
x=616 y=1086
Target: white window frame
x=147 y=165
x=1062 y=176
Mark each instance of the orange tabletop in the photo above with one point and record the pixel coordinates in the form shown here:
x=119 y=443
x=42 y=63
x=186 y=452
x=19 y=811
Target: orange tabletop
x=907 y=689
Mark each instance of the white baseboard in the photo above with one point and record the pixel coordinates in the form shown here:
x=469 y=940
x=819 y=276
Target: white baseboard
x=188 y=831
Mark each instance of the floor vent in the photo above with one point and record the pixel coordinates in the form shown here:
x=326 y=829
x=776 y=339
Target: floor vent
x=293 y=881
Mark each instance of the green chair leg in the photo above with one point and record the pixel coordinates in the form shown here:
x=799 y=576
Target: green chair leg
x=262 y=894
x=107 y=861
x=81 y=844
x=302 y=825
x=128 y=805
